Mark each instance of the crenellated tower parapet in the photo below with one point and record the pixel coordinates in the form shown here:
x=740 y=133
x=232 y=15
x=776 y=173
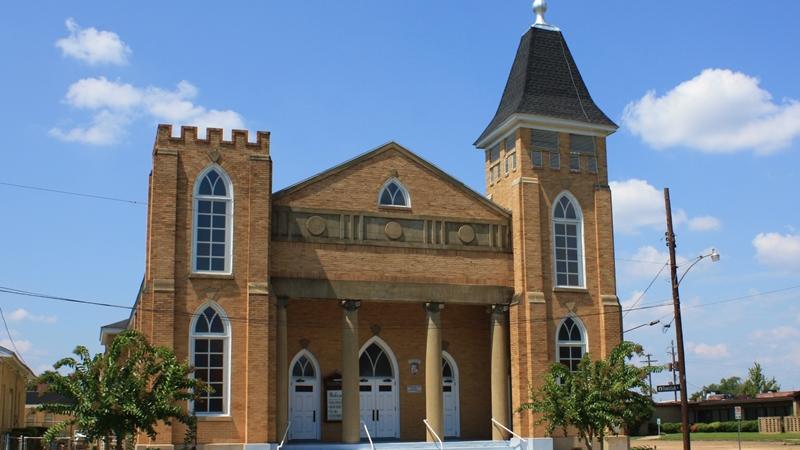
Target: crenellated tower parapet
x=240 y=139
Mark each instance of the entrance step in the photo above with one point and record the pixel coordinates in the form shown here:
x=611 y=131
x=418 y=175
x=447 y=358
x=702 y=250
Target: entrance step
x=451 y=445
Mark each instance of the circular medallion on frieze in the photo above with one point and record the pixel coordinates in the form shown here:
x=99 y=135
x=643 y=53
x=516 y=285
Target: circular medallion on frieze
x=393 y=230
x=466 y=234
x=315 y=225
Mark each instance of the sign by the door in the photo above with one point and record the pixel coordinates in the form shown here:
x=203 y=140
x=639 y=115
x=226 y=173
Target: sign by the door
x=414 y=388
x=334 y=406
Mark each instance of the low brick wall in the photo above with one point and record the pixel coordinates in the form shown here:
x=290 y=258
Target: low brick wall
x=791 y=424
x=770 y=425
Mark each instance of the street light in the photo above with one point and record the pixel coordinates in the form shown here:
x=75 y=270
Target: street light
x=676 y=301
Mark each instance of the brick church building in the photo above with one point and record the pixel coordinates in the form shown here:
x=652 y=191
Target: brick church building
x=383 y=296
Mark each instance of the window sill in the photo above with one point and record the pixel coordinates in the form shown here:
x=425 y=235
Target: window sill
x=219 y=418
x=394 y=207
x=570 y=289
x=212 y=276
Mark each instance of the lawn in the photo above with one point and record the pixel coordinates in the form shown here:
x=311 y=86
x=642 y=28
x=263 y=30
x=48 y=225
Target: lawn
x=763 y=437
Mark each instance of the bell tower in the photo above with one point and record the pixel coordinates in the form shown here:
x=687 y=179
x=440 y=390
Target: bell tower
x=545 y=161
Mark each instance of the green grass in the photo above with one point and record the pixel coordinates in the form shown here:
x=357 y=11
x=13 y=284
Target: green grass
x=762 y=437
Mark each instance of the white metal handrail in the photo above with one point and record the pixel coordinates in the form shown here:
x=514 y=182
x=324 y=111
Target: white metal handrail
x=369 y=438
x=285 y=433
x=500 y=425
x=433 y=433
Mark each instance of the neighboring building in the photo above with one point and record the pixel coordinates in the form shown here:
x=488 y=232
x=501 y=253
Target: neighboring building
x=14 y=378
x=383 y=291
x=35 y=418
x=770 y=404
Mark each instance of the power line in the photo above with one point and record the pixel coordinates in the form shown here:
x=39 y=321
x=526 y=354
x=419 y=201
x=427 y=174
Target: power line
x=641 y=296
x=11 y=338
x=76 y=194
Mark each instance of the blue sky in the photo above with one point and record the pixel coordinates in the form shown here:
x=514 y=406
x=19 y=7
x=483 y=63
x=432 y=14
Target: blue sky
x=705 y=93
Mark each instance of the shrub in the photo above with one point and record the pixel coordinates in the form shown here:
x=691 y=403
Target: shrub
x=714 y=427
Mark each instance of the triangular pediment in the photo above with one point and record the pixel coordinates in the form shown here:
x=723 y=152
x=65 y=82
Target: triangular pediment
x=355 y=185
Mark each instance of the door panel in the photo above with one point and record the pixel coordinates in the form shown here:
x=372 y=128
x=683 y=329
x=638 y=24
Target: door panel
x=451 y=416
x=366 y=399
x=303 y=412
x=386 y=409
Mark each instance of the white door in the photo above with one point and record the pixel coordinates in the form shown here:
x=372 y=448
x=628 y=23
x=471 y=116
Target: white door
x=366 y=402
x=304 y=402
x=452 y=426
x=385 y=408
x=303 y=411
x=378 y=391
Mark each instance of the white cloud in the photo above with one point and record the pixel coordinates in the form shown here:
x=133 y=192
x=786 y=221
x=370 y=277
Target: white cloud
x=704 y=223
x=645 y=262
x=20 y=314
x=777 y=333
x=709 y=351
x=93 y=46
x=718 y=111
x=116 y=104
x=23 y=345
x=781 y=251
x=638 y=204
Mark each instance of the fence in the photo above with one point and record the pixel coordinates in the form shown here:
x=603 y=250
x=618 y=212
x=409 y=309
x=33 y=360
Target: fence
x=791 y=424
x=770 y=425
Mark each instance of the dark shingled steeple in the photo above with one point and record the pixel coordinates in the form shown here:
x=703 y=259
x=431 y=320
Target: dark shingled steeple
x=545 y=81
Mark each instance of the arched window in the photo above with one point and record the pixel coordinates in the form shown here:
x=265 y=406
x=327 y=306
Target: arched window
x=374 y=362
x=568 y=242
x=303 y=367
x=210 y=345
x=213 y=226
x=393 y=193
x=571 y=343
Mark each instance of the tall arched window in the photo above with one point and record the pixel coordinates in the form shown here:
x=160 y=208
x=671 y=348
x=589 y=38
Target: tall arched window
x=213 y=226
x=571 y=343
x=568 y=242
x=210 y=346
x=393 y=193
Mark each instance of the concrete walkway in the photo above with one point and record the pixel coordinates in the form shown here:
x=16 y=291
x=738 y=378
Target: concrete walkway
x=712 y=445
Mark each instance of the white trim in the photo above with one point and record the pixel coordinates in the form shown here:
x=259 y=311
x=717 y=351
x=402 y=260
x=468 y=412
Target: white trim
x=402 y=188
x=456 y=388
x=229 y=199
x=581 y=249
x=584 y=335
x=317 y=390
x=227 y=338
x=395 y=375
x=518 y=120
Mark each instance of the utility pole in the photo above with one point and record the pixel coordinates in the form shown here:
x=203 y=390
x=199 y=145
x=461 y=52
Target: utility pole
x=674 y=368
x=676 y=301
x=650 y=374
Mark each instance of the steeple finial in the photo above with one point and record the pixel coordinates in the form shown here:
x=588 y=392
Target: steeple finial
x=540 y=8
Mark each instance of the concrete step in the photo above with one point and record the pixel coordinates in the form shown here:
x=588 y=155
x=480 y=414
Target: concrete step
x=449 y=445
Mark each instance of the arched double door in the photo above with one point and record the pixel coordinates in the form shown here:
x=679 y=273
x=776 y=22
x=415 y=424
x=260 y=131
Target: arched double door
x=452 y=409
x=378 y=390
x=304 y=397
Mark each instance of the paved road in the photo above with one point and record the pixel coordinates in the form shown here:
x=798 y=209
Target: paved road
x=715 y=445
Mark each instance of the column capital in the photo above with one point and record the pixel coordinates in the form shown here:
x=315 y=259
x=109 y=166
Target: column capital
x=434 y=307
x=350 y=305
x=497 y=309
x=282 y=302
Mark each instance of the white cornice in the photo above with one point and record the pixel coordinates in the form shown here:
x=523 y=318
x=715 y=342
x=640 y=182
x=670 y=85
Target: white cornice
x=538 y=122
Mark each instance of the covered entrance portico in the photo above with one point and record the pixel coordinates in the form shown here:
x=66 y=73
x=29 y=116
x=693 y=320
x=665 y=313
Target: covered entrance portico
x=396 y=363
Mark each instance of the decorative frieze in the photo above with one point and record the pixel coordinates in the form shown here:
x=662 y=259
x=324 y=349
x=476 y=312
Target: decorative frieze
x=387 y=229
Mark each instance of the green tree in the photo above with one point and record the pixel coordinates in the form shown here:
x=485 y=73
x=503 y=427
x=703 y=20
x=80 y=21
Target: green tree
x=757 y=382
x=731 y=386
x=598 y=398
x=122 y=392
